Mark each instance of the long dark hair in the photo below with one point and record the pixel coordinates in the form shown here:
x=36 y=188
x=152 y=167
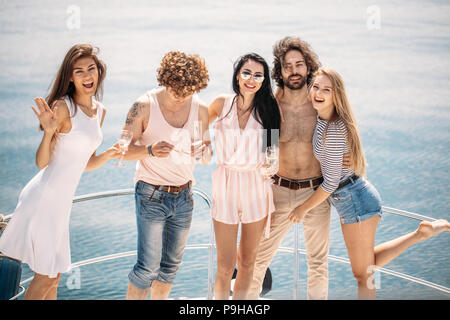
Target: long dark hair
x=264 y=107
x=62 y=86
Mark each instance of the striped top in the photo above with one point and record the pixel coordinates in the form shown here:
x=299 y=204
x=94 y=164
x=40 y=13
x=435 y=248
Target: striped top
x=330 y=153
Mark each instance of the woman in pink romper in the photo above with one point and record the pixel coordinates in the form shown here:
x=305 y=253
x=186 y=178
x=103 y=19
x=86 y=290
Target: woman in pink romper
x=241 y=193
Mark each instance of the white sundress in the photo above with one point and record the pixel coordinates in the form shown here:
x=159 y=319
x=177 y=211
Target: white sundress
x=38 y=232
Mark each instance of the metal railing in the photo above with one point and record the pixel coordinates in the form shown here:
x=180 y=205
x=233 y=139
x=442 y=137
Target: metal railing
x=211 y=246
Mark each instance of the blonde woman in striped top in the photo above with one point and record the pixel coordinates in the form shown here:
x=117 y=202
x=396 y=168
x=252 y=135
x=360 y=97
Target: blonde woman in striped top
x=241 y=193
x=355 y=199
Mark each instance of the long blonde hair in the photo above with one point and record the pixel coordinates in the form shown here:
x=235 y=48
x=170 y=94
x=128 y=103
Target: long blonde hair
x=344 y=112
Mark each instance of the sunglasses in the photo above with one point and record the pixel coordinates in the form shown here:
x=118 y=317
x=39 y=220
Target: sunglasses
x=245 y=75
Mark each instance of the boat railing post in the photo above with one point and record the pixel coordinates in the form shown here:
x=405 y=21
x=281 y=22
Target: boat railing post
x=296 y=261
x=211 y=260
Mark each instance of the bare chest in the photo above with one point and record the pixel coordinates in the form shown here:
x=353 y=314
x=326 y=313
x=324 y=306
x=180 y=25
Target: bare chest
x=299 y=125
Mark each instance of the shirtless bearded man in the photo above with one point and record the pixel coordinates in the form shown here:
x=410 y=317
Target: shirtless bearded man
x=299 y=171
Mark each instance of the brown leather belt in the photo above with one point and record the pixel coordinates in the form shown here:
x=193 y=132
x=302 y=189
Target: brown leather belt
x=173 y=189
x=297 y=184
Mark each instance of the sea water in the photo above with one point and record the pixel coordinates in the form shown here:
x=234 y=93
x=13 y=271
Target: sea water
x=393 y=56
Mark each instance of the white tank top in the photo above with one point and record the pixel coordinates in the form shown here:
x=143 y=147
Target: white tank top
x=178 y=167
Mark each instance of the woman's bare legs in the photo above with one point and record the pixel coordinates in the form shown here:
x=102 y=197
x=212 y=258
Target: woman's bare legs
x=228 y=255
x=226 y=238
x=53 y=292
x=42 y=288
x=387 y=251
x=360 y=239
x=248 y=246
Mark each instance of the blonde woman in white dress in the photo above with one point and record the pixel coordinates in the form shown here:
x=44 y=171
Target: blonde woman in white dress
x=38 y=233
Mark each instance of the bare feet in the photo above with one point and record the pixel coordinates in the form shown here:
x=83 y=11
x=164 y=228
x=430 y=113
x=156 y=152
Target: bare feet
x=428 y=229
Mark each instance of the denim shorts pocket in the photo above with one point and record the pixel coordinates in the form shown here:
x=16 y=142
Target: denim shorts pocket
x=343 y=202
x=341 y=195
x=370 y=198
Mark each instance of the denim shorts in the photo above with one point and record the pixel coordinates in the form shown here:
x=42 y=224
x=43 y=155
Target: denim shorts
x=357 y=201
x=163 y=221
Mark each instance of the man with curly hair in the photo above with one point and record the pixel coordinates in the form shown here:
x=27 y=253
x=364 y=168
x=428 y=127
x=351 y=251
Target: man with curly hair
x=163 y=121
x=299 y=171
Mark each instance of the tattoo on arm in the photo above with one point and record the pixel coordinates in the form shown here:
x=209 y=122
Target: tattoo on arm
x=134 y=111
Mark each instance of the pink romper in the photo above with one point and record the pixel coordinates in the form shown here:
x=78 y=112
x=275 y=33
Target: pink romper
x=240 y=193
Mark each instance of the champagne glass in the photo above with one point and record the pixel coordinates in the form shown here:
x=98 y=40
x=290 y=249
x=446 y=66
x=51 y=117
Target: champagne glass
x=197 y=140
x=270 y=164
x=272 y=153
x=124 y=142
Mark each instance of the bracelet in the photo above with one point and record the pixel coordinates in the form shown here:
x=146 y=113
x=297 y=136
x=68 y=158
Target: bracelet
x=149 y=149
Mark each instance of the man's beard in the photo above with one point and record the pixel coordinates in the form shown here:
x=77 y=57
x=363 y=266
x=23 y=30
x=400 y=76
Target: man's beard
x=297 y=85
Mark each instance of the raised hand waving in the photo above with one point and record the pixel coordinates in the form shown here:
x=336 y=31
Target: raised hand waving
x=47 y=117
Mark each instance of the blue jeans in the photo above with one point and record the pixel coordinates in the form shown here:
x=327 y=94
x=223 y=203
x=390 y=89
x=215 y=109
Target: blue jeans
x=357 y=201
x=163 y=222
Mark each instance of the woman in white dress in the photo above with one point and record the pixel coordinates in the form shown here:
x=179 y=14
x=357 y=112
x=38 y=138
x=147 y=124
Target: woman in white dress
x=38 y=233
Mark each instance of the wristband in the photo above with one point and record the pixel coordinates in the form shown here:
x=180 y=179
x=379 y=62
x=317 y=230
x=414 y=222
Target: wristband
x=149 y=149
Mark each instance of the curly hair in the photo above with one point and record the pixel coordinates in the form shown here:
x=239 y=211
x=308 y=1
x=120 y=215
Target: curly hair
x=184 y=74
x=293 y=43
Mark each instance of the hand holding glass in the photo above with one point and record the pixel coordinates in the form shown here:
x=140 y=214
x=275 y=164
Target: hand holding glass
x=270 y=164
x=197 y=140
x=124 y=142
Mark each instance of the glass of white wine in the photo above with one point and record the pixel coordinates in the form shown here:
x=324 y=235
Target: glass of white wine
x=197 y=140
x=270 y=164
x=124 y=142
